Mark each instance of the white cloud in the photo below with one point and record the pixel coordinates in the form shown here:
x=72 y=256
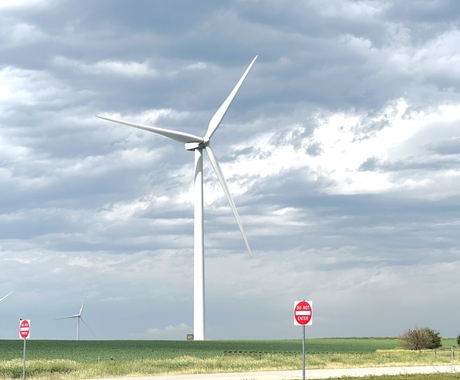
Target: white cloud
x=351 y=9
x=19 y=34
x=81 y=262
x=149 y=116
x=29 y=87
x=196 y=66
x=108 y=67
x=440 y=56
x=347 y=140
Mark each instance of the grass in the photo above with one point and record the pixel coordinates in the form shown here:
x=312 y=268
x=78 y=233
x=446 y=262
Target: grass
x=64 y=360
x=434 y=376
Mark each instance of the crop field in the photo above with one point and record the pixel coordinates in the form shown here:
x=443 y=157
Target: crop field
x=125 y=350
x=65 y=360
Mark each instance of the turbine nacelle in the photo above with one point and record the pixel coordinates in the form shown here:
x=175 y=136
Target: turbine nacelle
x=196 y=145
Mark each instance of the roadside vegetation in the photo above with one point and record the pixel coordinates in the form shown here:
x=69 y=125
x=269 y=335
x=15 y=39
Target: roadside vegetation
x=64 y=360
x=420 y=338
x=434 y=376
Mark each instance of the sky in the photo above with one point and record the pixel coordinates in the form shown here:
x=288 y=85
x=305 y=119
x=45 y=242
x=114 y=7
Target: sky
x=341 y=150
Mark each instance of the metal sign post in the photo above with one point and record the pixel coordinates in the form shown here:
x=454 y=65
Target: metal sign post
x=303 y=313
x=24 y=362
x=303 y=353
x=24 y=333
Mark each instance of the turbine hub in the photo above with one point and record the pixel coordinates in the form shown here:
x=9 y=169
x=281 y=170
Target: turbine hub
x=196 y=145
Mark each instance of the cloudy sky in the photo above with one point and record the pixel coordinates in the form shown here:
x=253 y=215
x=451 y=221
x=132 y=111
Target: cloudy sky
x=342 y=151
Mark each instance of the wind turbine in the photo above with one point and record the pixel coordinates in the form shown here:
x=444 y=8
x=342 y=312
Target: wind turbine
x=1 y=299
x=78 y=316
x=197 y=144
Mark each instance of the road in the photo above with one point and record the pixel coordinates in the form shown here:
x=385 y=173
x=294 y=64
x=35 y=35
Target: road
x=309 y=374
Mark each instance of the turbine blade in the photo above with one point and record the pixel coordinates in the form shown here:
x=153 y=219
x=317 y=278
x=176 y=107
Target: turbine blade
x=72 y=316
x=219 y=115
x=223 y=183
x=169 y=133
x=83 y=304
x=87 y=326
x=1 y=299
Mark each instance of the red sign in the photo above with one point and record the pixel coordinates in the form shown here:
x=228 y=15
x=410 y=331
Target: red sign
x=24 y=329
x=303 y=312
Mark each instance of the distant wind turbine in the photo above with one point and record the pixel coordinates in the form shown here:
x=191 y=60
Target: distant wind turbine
x=78 y=316
x=1 y=299
x=197 y=144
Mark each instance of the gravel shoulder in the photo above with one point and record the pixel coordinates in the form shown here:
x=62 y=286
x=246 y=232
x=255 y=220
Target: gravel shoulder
x=309 y=374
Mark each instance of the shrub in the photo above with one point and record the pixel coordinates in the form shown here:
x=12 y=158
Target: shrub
x=420 y=338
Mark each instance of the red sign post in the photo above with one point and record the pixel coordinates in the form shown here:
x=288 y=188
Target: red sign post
x=303 y=316
x=24 y=333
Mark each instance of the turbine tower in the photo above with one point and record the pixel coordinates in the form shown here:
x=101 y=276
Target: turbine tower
x=78 y=316
x=197 y=144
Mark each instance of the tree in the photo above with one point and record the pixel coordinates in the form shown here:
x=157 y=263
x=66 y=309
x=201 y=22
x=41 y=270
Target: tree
x=420 y=338
x=458 y=339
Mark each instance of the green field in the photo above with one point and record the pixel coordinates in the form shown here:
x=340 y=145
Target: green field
x=126 y=350
x=64 y=360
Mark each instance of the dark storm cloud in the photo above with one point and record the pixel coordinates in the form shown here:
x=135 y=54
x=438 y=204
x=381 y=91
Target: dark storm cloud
x=310 y=57
x=444 y=12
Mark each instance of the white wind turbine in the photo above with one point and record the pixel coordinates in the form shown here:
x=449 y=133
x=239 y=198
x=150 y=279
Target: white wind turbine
x=1 y=299
x=78 y=316
x=197 y=144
